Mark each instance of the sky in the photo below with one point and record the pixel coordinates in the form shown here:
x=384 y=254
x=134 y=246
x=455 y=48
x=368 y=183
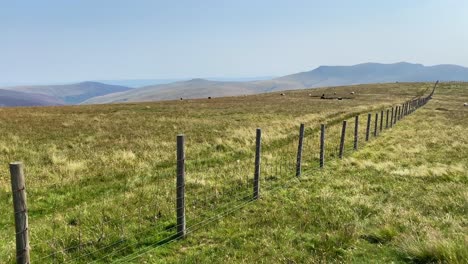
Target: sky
x=51 y=41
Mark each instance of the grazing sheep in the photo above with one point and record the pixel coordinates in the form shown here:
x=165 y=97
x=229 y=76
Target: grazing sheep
x=465 y=104
x=322 y=97
x=209 y=97
x=282 y=94
x=310 y=94
x=352 y=92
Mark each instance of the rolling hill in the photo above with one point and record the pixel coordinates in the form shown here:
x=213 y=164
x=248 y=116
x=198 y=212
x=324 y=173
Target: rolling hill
x=102 y=178
x=195 y=88
x=14 y=98
x=322 y=76
x=72 y=93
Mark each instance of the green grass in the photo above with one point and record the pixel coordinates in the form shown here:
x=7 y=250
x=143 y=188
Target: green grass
x=101 y=180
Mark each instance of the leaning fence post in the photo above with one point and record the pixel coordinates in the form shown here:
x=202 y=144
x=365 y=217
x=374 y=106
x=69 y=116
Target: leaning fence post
x=368 y=126
x=342 y=141
x=322 y=145
x=299 y=150
x=395 y=118
x=258 y=149
x=181 y=232
x=356 y=132
x=376 y=124
x=18 y=188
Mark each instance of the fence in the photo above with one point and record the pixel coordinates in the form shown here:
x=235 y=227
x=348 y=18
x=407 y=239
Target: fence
x=143 y=218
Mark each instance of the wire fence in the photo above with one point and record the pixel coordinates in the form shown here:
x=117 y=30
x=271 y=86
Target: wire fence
x=133 y=216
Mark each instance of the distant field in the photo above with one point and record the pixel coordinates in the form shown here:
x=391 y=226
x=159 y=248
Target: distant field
x=101 y=179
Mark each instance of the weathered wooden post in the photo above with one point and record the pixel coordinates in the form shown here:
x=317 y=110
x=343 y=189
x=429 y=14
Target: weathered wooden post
x=181 y=232
x=299 y=151
x=18 y=188
x=258 y=149
x=391 y=118
x=368 y=126
x=381 y=120
x=397 y=117
x=386 y=119
x=342 y=141
x=322 y=145
x=376 y=123
x=356 y=132
x=396 y=114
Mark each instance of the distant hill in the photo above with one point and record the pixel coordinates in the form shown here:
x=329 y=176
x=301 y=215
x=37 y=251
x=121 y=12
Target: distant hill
x=72 y=93
x=377 y=73
x=322 y=76
x=195 y=88
x=14 y=98
x=136 y=83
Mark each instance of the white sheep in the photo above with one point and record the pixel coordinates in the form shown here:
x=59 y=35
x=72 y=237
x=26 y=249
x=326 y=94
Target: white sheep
x=282 y=94
x=465 y=104
x=352 y=92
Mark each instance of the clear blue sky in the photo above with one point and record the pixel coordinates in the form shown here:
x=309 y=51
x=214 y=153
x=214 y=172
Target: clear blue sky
x=57 y=41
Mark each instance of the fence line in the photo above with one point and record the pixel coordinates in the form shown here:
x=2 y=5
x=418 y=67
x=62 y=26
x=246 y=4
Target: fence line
x=333 y=141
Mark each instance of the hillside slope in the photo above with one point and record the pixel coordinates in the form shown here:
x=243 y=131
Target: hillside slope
x=72 y=93
x=195 y=88
x=14 y=98
x=323 y=76
x=399 y=199
x=101 y=177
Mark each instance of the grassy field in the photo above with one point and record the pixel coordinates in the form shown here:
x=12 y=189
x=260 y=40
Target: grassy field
x=101 y=180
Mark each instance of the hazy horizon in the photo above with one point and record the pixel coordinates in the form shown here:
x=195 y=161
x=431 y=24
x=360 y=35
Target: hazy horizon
x=52 y=42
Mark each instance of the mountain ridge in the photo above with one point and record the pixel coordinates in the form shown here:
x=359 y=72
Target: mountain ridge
x=322 y=76
x=71 y=93
x=9 y=98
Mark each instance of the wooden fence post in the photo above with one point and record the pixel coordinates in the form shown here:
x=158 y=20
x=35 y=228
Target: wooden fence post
x=368 y=126
x=386 y=119
x=376 y=123
x=299 y=151
x=322 y=145
x=258 y=149
x=18 y=188
x=342 y=141
x=381 y=120
x=396 y=113
x=180 y=200
x=356 y=132
x=391 y=118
